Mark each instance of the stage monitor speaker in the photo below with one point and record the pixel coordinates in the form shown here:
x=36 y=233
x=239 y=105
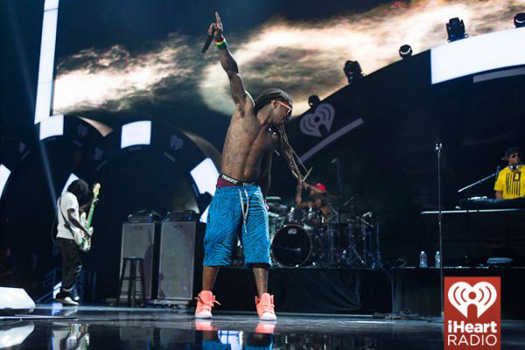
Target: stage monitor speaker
x=177 y=257
x=15 y=332
x=138 y=240
x=15 y=301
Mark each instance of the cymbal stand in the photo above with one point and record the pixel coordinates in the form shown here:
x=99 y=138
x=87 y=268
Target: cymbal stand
x=370 y=230
x=379 y=260
x=350 y=255
x=365 y=238
x=331 y=229
x=337 y=163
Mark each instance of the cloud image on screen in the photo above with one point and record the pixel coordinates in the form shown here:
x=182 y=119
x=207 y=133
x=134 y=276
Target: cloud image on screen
x=301 y=57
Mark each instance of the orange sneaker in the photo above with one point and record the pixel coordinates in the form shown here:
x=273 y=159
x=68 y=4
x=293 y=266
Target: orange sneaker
x=265 y=307
x=265 y=328
x=205 y=302
x=204 y=325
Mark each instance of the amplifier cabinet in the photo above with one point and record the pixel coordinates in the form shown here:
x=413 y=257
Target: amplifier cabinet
x=176 y=260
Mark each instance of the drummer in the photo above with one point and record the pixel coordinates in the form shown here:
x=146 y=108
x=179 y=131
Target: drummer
x=316 y=193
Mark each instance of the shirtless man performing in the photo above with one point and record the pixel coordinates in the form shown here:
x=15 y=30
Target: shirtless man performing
x=238 y=207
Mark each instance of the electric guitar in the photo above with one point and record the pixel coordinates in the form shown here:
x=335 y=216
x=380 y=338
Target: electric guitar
x=84 y=241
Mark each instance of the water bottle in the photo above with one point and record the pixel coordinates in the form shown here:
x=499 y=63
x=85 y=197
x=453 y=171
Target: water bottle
x=438 y=259
x=423 y=259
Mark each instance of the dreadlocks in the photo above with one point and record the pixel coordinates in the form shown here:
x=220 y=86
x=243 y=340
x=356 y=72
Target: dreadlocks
x=291 y=157
x=294 y=162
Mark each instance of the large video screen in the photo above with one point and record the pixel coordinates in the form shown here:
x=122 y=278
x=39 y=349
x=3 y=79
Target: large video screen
x=118 y=56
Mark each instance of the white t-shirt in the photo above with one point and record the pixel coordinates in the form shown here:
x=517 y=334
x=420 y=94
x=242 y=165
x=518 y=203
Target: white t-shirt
x=67 y=201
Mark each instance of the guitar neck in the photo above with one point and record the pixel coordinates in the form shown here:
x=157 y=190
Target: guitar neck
x=91 y=211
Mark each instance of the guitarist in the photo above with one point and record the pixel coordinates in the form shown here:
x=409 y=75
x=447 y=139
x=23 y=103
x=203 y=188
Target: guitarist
x=68 y=207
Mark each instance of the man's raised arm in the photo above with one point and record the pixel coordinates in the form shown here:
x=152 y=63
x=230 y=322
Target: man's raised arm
x=228 y=63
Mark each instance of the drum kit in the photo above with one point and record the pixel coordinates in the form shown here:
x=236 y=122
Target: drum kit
x=310 y=237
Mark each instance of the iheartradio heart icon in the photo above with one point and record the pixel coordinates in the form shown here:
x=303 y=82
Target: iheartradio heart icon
x=461 y=295
x=466 y=329
x=323 y=116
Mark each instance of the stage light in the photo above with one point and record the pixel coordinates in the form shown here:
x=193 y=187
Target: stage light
x=352 y=71
x=405 y=51
x=52 y=126
x=137 y=133
x=46 y=65
x=456 y=29
x=314 y=101
x=4 y=176
x=519 y=20
x=205 y=175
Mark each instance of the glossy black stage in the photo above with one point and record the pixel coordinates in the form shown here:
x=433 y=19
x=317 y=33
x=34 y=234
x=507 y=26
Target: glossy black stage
x=89 y=327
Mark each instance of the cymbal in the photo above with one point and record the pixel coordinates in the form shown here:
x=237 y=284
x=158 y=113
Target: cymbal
x=273 y=199
x=325 y=195
x=276 y=207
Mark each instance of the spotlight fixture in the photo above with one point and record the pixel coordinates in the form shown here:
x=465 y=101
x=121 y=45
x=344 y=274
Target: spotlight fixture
x=405 y=51
x=352 y=71
x=519 y=20
x=314 y=101
x=456 y=29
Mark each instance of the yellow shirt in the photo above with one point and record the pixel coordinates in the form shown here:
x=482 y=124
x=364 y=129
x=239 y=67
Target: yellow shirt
x=510 y=182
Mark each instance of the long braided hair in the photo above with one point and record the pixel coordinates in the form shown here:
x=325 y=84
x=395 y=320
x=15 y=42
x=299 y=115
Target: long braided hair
x=293 y=160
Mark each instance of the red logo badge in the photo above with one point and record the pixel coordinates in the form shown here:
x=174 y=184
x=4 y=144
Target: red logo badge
x=472 y=313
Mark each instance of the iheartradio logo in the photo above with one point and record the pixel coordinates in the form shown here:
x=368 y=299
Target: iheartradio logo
x=474 y=330
x=461 y=295
x=311 y=123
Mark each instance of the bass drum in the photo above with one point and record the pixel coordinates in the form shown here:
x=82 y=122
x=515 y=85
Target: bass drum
x=293 y=246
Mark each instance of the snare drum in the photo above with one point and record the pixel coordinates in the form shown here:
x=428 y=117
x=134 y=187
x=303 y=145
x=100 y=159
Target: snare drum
x=295 y=246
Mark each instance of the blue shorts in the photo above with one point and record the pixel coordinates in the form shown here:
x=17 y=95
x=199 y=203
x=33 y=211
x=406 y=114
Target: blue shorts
x=237 y=211
x=215 y=345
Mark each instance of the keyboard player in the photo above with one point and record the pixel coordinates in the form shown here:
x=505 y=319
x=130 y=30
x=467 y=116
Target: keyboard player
x=510 y=183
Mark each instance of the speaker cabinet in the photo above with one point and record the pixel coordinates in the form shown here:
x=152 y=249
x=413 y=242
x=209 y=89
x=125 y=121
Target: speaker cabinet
x=177 y=256
x=139 y=240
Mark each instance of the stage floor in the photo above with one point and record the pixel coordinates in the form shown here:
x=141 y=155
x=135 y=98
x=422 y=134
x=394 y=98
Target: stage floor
x=89 y=327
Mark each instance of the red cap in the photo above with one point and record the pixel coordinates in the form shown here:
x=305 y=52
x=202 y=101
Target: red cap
x=321 y=187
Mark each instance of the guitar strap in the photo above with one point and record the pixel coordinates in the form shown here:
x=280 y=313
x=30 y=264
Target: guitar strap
x=66 y=222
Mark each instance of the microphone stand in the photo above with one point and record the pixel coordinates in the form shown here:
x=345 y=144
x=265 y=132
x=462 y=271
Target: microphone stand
x=438 y=148
x=337 y=162
x=479 y=181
